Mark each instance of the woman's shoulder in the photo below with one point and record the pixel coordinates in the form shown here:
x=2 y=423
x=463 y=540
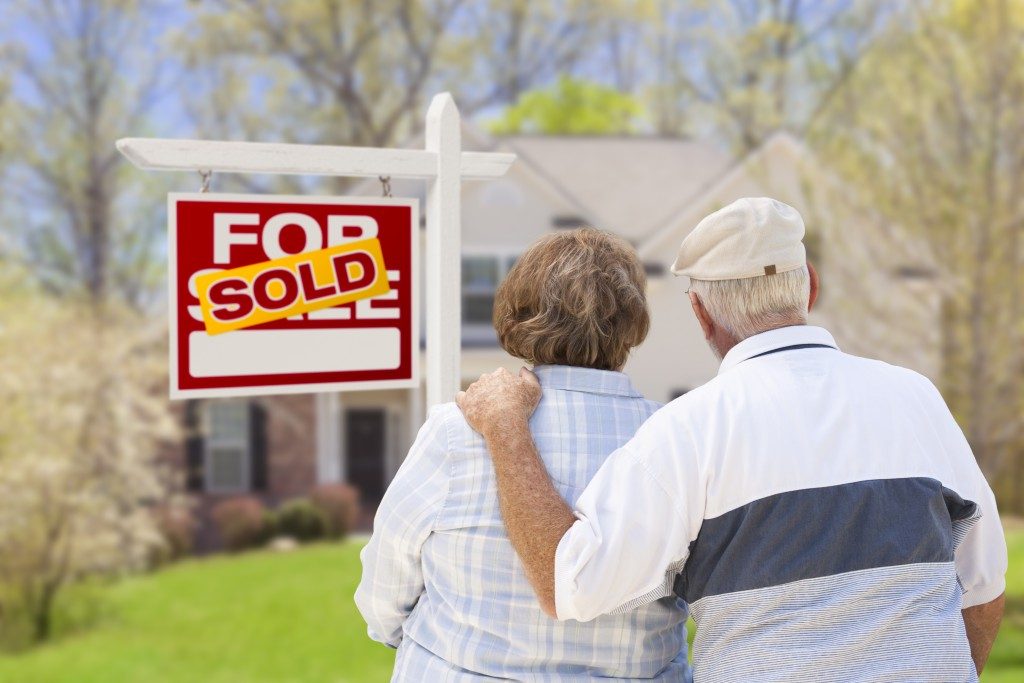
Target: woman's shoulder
x=651 y=407
x=448 y=417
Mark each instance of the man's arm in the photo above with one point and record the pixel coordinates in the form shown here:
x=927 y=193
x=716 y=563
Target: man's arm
x=535 y=516
x=982 y=623
x=628 y=536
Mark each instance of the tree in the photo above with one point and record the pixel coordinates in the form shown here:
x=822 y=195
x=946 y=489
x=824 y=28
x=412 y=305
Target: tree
x=929 y=137
x=570 y=107
x=359 y=73
x=80 y=367
x=741 y=69
x=85 y=74
x=78 y=436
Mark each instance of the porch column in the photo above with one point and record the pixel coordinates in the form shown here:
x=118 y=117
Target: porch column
x=329 y=456
x=414 y=410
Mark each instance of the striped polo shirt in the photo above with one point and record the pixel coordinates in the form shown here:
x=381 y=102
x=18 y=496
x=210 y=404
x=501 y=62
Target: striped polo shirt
x=822 y=514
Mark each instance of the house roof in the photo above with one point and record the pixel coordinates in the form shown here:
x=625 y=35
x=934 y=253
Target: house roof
x=685 y=217
x=651 y=190
x=629 y=185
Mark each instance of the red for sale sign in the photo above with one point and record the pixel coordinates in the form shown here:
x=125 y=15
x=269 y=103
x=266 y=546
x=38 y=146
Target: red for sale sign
x=276 y=294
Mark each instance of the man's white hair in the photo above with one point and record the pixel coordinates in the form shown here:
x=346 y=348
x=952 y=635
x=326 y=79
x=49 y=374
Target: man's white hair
x=753 y=305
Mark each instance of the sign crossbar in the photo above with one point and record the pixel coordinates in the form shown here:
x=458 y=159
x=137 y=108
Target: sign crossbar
x=218 y=156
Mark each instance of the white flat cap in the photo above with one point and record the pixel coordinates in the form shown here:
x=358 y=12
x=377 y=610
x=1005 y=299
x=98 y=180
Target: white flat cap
x=750 y=237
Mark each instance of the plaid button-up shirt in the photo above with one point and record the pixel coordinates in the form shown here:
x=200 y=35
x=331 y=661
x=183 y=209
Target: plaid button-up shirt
x=442 y=583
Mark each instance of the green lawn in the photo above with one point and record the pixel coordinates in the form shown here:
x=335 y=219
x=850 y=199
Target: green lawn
x=284 y=618
x=258 y=617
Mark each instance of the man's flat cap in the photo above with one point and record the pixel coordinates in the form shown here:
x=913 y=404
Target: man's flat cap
x=750 y=237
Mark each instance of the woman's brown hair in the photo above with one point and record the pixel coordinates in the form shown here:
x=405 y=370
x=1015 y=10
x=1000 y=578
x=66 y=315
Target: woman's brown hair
x=574 y=298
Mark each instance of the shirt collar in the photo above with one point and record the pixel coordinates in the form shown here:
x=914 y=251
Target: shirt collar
x=775 y=339
x=588 y=380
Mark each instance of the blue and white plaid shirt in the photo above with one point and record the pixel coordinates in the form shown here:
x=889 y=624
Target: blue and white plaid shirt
x=442 y=583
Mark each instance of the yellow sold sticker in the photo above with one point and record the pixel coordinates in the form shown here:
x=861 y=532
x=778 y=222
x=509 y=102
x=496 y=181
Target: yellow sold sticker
x=272 y=290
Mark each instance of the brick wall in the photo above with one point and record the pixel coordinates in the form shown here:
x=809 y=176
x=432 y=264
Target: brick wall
x=290 y=452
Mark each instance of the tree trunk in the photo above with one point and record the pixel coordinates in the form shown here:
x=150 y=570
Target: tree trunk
x=42 y=618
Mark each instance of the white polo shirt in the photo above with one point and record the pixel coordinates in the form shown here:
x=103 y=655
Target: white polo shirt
x=822 y=514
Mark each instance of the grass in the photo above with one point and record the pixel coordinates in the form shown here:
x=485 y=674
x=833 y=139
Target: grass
x=286 y=618
x=263 y=616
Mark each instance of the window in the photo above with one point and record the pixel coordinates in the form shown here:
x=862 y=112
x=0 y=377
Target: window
x=912 y=272
x=654 y=268
x=567 y=222
x=227 y=460
x=480 y=277
x=481 y=274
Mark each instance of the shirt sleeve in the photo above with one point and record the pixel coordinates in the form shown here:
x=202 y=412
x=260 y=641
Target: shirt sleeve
x=980 y=557
x=392 y=579
x=635 y=522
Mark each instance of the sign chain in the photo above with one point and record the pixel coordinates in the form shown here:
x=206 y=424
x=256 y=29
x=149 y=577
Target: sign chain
x=205 y=175
x=385 y=185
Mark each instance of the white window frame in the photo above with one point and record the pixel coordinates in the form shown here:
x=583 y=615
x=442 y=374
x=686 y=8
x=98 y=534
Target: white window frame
x=213 y=441
x=480 y=332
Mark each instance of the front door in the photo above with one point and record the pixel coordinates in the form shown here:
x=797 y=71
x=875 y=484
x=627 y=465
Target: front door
x=364 y=450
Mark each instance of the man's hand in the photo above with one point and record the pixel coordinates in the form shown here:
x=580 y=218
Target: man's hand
x=499 y=400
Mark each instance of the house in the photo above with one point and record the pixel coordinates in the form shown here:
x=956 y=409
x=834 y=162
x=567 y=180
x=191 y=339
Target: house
x=650 y=190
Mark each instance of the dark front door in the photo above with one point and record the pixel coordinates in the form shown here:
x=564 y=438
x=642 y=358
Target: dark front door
x=364 y=451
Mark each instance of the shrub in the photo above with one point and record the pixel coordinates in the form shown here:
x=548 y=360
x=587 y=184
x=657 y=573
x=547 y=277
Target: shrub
x=242 y=522
x=300 y=519
x=177 y=528
x=339 y=504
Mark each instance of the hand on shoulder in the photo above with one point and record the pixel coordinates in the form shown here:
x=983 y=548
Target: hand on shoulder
x=499 y=401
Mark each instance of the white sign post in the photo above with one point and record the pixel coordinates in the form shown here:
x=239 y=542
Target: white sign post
x=442 y=163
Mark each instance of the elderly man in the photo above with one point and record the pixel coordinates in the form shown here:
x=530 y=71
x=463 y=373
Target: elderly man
x=822 y=513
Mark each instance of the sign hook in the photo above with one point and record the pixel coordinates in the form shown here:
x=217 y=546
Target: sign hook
x=385 y=185
x=205 y=175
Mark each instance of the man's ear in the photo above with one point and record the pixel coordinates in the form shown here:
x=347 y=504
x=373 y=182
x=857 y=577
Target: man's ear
x=706 y=323
x=814 y=286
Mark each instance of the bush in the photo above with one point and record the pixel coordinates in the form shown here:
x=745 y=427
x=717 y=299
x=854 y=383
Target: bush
x=242 y=522
x=339 y=504
x=300 y=519
x=177 y=528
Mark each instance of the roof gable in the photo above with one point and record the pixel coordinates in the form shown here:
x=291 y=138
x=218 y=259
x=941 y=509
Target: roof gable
x=629 y=185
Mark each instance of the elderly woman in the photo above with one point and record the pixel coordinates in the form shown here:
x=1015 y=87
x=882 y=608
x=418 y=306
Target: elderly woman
x=441 y=581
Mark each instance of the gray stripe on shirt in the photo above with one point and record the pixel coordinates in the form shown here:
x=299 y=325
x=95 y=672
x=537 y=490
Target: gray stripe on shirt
x=817 y=532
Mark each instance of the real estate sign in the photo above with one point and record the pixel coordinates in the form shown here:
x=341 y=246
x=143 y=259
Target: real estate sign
x=275 y=294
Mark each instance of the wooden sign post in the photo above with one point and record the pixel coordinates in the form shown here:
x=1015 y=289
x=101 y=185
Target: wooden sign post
x=442 y=164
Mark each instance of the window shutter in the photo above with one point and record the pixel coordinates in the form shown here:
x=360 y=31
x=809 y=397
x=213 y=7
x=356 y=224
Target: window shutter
x=258 y=445
x=193 y=447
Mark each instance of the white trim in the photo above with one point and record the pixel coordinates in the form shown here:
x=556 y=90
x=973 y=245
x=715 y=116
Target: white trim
x=265 y=390
x=328 y=438
x=221 y=156
x=292 y=198
x=244 y=444
x=443 y=137
x=414 y=415
x=342 y=427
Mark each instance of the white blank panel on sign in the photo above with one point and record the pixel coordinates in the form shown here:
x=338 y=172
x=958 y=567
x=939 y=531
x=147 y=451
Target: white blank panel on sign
x=272 y=352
